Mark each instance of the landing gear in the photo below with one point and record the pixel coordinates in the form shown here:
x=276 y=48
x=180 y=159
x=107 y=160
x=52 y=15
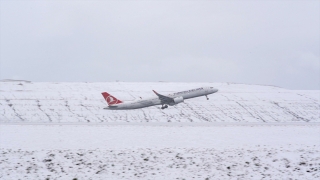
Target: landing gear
x=164 y=106
x=207 y=97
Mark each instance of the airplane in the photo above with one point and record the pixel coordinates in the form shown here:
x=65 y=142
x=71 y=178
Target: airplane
x=164 y=101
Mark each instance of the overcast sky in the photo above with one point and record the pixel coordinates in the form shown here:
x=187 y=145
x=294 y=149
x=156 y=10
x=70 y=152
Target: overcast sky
x=255 y=42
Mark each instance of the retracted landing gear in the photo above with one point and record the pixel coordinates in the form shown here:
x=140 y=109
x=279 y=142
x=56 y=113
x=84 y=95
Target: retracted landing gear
x=164 y=106
x=207 y=97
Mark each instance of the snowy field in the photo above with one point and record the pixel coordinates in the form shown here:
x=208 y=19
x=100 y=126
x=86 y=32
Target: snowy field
x=82 y=102
x=160 y=152
x=60 y=131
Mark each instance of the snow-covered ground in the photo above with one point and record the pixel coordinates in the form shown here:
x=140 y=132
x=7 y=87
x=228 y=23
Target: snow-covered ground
x=60 y=131
x=82 y=102
x=159 y=152
x=166 y=163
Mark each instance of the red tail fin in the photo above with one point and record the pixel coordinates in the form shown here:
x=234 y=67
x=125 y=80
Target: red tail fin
x=111 y=100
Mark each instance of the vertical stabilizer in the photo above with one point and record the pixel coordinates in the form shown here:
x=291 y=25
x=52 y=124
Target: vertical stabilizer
x=111 y=100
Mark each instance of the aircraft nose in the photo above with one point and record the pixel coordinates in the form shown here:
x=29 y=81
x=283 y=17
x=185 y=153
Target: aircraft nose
x=214 y=90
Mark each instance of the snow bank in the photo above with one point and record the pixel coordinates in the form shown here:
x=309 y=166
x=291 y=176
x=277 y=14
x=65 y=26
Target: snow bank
x=23 y=101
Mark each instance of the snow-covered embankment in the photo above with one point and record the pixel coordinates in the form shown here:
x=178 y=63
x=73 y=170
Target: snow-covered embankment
x=82 y=102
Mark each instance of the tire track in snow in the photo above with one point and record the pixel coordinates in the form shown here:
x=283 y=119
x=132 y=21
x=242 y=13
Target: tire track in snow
x=290 y=112
x=14 y=110
x=250 y=112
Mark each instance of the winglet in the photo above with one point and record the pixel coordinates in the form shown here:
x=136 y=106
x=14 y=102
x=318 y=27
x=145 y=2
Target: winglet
x=155 y=92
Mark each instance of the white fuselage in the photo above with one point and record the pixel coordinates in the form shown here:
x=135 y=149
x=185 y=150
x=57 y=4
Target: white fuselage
x=203 y=91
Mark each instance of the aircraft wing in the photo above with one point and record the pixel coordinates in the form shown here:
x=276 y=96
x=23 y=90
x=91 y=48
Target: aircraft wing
x=164 y=99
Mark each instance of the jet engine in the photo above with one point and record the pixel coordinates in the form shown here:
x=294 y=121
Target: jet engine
x=177 y=100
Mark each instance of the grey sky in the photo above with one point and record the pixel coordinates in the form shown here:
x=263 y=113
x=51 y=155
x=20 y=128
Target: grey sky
x=256 y=42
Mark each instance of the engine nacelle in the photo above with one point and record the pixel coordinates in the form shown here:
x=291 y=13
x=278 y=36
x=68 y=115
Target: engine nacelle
x=177 y=100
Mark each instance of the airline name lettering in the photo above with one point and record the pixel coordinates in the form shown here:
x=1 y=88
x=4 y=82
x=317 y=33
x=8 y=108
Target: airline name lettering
x=183 y=92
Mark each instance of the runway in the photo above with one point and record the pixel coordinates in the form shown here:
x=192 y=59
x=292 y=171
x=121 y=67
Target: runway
x=93 y=136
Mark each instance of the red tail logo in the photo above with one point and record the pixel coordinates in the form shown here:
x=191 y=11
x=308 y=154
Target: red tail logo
x=111 y=100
